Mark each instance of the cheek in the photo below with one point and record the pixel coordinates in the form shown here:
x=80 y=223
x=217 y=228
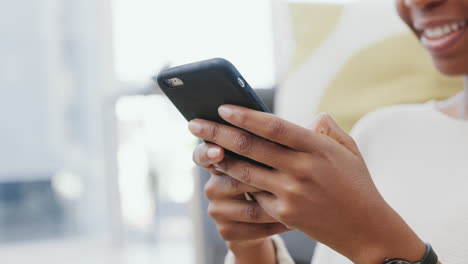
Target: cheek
x=403 y=10
x=405 y=13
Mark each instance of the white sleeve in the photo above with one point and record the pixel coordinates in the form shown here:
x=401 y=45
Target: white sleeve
x=282 y=254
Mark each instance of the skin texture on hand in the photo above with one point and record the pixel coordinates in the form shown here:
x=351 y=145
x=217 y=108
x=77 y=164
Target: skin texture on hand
x=317 y=182
x=243 y=224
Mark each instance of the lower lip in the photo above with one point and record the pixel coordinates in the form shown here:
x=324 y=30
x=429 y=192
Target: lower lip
x=442 y=44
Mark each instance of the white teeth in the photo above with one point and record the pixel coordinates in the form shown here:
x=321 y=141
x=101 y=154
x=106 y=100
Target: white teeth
x=441 y=31
x=447 y=29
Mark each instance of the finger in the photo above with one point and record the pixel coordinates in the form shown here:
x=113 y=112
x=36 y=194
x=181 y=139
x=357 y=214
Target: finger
x=271 y=206
x=324 y=124
x=268 y=202
x=224 y=186
x=249 y=173
x=206 y=154
x=236 y=231
x=271 y=127
x=244 y=143
x=213 y=171
x=239 y=211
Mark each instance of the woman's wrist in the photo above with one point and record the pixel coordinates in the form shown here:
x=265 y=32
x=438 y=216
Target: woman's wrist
x=393 y=238
x=254 y=251
x=410 y=250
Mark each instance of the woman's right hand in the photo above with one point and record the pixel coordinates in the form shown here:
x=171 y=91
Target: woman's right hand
x=242 y=223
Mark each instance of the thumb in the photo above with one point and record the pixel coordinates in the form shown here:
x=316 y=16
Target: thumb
x=324 y=124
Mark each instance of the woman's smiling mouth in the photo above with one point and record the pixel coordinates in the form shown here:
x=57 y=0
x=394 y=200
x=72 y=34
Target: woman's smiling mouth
x=438 y=38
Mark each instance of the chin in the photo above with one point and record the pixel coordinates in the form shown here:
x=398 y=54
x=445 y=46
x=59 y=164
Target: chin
x=452 y=68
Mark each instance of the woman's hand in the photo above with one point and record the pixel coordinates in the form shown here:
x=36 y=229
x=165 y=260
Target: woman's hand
x=317 y=182
x=243 y=224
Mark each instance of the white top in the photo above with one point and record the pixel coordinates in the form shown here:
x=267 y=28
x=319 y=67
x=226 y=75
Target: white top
x=418 y=158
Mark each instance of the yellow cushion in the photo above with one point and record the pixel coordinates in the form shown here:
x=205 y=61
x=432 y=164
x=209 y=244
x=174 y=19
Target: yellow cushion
x=393 y=71
x=345 y=65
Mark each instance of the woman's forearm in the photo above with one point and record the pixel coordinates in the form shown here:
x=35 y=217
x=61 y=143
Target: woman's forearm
x=251 y=253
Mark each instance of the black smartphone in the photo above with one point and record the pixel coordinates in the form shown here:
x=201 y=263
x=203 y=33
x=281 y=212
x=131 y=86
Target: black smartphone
x=199 y=89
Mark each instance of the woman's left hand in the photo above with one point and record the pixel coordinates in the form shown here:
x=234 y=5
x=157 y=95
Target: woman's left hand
x=317 y=182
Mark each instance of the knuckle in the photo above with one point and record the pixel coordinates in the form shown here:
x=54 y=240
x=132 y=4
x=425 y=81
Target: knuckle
x=242 y=118
x=252 y=212
x=213 y=210
x=211 y=131
x=292 y=190
x=288 y=216
x=244 y=143
x=245 y=174
x=302 y=178
x=210 y=189
x=232 y=183
x=319 y=152
x=214 y=132
x=302 y=166
x=278 y=128
x=284 y=213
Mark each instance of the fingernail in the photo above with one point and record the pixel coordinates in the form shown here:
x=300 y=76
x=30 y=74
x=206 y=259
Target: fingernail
x=213 y=153
x=194 y=127
x=225 y=111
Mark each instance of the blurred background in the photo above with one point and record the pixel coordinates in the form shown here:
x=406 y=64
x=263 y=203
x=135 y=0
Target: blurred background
x=95 y=164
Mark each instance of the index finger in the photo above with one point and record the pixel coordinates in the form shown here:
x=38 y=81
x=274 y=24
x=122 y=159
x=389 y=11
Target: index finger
x=271 y=127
